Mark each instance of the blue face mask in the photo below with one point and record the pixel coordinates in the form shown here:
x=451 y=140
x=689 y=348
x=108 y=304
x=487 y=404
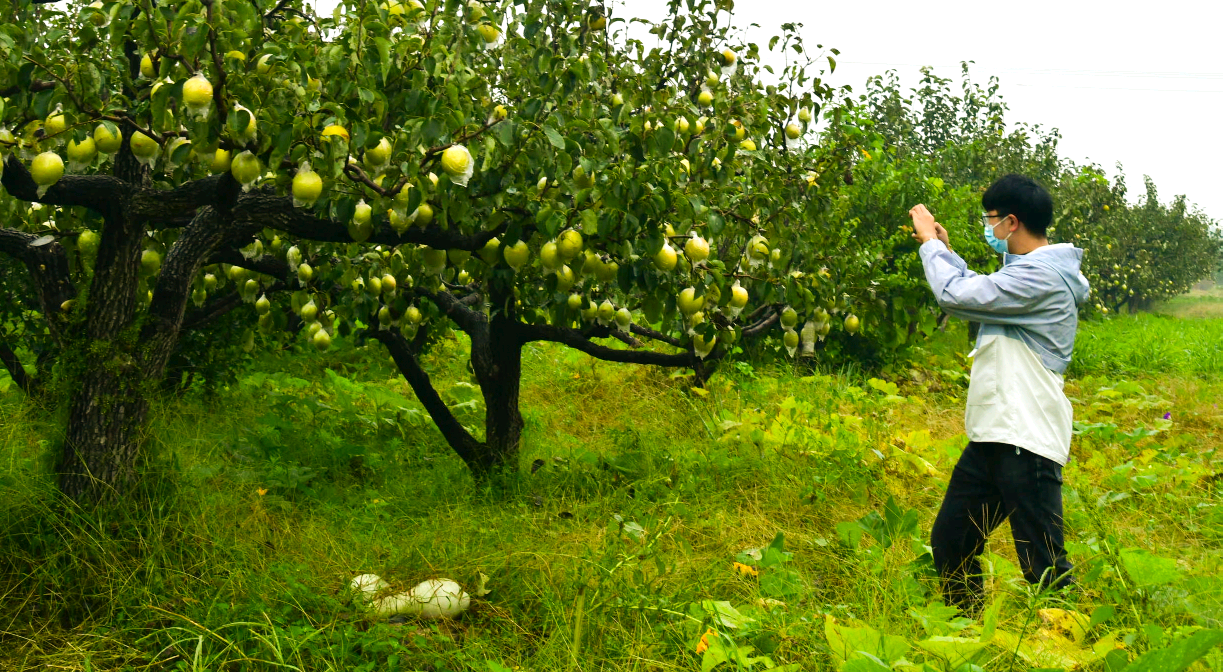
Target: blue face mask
x=999 y=244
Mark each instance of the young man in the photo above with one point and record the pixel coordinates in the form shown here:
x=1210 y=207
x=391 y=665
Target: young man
x=1018 y=419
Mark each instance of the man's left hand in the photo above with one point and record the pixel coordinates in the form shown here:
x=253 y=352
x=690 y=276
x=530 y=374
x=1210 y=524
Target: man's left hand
x=924 y=226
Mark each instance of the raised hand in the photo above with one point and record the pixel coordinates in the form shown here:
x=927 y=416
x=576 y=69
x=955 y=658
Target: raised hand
x=924 y=226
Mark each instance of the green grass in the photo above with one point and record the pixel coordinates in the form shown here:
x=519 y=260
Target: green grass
x=1149 y=344
x=262 y=504
x=1196 y=304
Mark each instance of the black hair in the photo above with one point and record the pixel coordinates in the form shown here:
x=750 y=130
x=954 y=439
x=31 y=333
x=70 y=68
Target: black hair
x=1023 y=197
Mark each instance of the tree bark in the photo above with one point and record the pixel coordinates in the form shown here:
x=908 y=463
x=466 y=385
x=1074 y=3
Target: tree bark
x=121 y=362
x=466 y=446
x=15 y=370
x=107 y=407
x=496 y=357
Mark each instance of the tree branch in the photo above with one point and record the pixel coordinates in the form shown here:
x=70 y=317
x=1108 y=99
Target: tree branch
x=177 y=222
x=759 y=327
x=433 y=151
x=35 y=85
x=266 y=264
x=417 y=345
x=185 y=199
x=357 y=174
x=102 y=193
x=218 y=91
x=68 y=89
x=470 y=321
x=211 y=311
x=273 y=11
x=755 y=315
x=456 y=435
x=96 y=192
x=577 y=341
x=15 y=370
x=48 y=268
x=655 y=335
x=186 y=256
x=626 y=339
x=219 y=306
x=264 y=209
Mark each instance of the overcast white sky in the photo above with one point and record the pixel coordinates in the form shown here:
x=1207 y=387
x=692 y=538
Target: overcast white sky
x=1136 y=82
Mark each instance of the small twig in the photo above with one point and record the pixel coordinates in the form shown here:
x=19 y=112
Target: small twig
x=35 y=86
x=355 y=173
x=279 y=6
x=128 y=118
x=218 y=91
x=68 y=88
x=461 y=139
x=304 y=16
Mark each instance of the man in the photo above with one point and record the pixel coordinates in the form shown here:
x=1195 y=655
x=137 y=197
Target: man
x=1018 y=419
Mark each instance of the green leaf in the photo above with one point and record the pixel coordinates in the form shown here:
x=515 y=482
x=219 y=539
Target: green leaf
x=775 y=553
x=590 y=222
x=714 y=656
x=663 y=139
x=781 y=582
x=284 y=139
x=505 y=133
x=850 y=533
x=865 y=663
x=847 y=643
x=1100 y=615
x=1178 y=656
x=956 y=651
x=384 y=56
x=989 y=623
x=236 y=122
x=1147 y=570
x=723 y=614
x=1205 y=599
x=181 y=153
x=554 y=137
x=193 y=42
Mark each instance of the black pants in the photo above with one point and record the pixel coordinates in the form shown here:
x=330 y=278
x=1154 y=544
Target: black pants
x=991 y=482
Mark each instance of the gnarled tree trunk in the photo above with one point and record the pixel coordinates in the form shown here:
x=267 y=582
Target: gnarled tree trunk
x=497 y=339
x=113 y=362
x=107 y=408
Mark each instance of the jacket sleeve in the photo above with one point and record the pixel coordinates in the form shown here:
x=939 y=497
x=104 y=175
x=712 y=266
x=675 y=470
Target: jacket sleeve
x=1005 y=297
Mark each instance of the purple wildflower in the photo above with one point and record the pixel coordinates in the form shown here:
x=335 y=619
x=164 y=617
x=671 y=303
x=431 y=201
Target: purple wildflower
x=1168 y=415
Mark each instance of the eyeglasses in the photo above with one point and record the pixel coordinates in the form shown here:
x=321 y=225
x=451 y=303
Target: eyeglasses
x=985 y=218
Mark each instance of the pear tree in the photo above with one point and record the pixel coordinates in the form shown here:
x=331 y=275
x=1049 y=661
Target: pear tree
x=648 y=205
x=184 y=130
x=521 y=172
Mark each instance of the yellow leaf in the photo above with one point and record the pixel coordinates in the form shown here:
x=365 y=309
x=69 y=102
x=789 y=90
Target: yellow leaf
x=1067 y=623
x=746 y=570
x=699 y=391
x=1046 y=648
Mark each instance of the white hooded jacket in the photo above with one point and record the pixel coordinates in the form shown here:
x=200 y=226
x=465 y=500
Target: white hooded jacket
x=1028 y=312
